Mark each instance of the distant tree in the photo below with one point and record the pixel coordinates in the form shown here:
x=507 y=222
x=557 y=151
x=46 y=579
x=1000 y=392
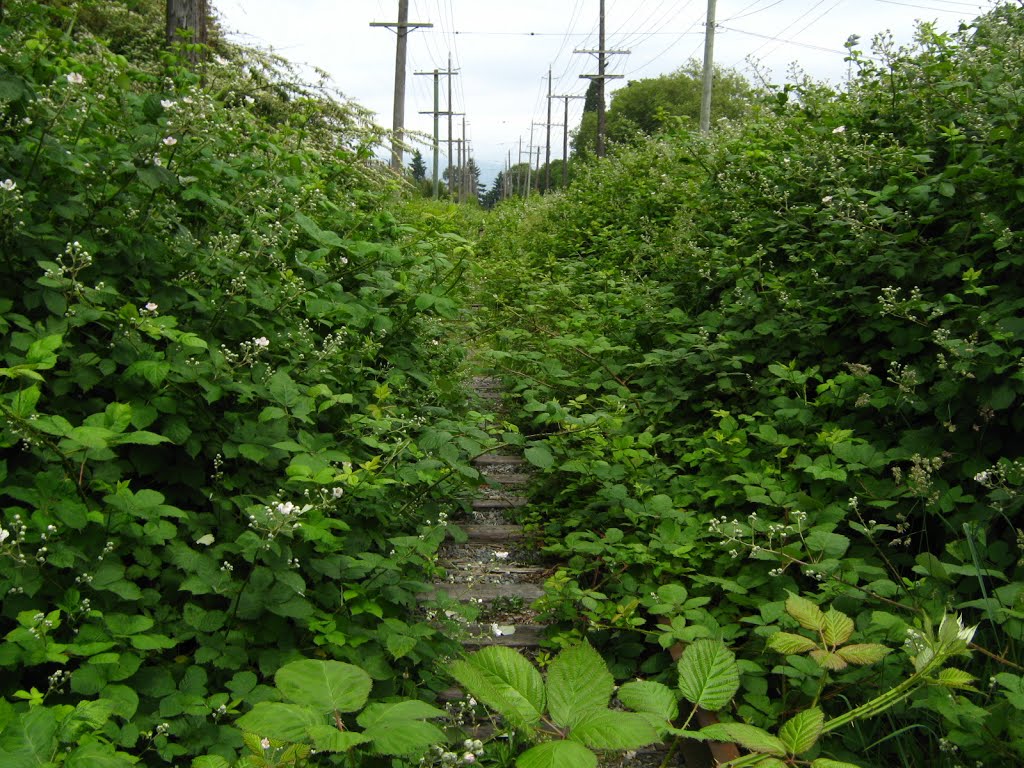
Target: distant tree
x=496 y=193
x=644 y=107
x=476 y=189
x=467 y=178
x=190 y=17
x=590 y=100
x=417 y=166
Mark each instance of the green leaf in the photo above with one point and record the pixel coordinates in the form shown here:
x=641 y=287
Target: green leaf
x=398 y=710
x=838 y=627
x=156 y=176
x=23 y=403
x=139 y=437
x=324 y=685
x=651 y=697
x=285 y=722
x=787 y=643
x=210 y=761
x=29 y=740
x=557 y=754
x=863 y=653
x=97 y=755
x=824 y=762
x=748 y=736
x=41 y=351
x=322 y=237
x=609 y=729
x=540 y=456
x=253 y=452
x=400 y=645
x=951 y=677
x=578 y=681
x=123 y=624
x=807 y=614
x=153 y=371
x=828 y=660
x=505 y=681
x=708 y=675
x=802 y=731
x=284 y=390
x=403 y=737
x=92 y=437
x=328 y=738
x=152 y=642
x=827 y=543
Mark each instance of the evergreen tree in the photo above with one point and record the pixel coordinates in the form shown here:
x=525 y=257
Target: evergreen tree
x=476 y=188
x=590 y=100
x=418 y=167
x=496 y=193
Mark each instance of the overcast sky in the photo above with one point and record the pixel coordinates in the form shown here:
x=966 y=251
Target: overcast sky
x=502 y=50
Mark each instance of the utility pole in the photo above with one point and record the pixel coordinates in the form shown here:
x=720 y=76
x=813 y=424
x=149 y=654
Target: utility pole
x=538 y=169
x=451 y=187
x=402 y=27
x=565 y=137
x=709 y=69
x=463 y=186
x=547 y=168
x=437 y=113
x=506 y=181
x=529 y=162
x=518 y=165
x=602 y=60
x=547 y=173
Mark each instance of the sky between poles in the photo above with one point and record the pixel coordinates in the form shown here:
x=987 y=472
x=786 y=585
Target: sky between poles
x=503 y=49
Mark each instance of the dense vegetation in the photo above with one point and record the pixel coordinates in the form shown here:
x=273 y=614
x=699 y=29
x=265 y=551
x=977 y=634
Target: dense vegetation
x=771 y=379
x=226 y=439
x=786 y=359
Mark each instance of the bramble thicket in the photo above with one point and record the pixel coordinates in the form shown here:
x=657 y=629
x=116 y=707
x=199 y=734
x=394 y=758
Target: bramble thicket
x=768 y=378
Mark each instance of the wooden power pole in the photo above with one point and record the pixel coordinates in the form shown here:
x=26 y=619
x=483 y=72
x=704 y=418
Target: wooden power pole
x=436 y=112
x=709 y=69
x=189 y=16
x=547 y=155
x=565 y=137
x=602 y=75
x=402 y=27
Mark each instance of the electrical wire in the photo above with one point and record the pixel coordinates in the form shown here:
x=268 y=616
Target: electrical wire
x=772 y=38
x=922 y=7
x=742 y=14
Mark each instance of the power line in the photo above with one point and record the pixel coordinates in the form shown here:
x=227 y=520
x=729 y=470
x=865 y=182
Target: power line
x=670 y=46
x=924 y=7
x=789 y=26
x=666 y=19
x=771 y=38
x=810 y=23
x=742 y=14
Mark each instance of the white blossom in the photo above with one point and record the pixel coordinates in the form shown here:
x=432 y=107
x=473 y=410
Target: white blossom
x=75 y=79
x=263 y=342
x=170 y=141
x=8 y=185
x=840 y=129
